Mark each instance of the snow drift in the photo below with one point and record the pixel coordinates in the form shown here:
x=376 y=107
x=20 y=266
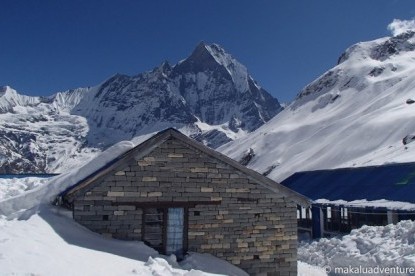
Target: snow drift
x=369 y=246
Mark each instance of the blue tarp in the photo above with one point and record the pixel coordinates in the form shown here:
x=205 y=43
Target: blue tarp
x=394 y=182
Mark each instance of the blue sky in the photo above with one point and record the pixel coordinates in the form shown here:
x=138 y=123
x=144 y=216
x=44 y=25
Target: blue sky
x=53 y=45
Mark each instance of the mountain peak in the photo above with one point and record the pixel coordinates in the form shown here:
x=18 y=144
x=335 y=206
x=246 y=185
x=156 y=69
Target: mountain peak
x=213 y=58
x=403 y=42
x=200 y=46
x=7 y=91
x=214 y=51
x=3 y=90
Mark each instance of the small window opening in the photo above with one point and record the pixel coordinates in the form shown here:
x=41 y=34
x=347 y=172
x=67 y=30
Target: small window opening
x=329 y=212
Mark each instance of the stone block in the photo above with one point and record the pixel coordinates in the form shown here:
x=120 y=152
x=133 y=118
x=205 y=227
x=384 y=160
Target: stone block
x=120 y=173
x=149 y=178
x=206 y=190
x=199 y=170
x=115 y=194
x=175 y=155
x=118 y=213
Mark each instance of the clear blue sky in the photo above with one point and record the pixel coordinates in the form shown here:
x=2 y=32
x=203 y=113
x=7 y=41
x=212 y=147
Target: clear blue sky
x=54 y=45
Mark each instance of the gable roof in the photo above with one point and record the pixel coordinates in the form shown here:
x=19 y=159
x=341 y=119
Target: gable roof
x=394 y=182
x=150 y=144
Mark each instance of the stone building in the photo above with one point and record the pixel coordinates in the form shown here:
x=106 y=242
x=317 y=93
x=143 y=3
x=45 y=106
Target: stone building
x=177 y=195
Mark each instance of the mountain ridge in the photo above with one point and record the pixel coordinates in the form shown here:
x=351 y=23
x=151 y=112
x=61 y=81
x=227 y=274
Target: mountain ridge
x=202 y=99
x=357 y=113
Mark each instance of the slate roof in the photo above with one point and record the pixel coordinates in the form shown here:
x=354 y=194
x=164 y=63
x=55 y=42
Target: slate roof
x=394 y=182
x=150 y=144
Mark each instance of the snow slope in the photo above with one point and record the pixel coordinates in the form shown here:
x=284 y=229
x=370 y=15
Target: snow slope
x=355 y=114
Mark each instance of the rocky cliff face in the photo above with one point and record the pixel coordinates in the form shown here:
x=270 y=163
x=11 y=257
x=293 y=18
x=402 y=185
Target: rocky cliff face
x=210 y=96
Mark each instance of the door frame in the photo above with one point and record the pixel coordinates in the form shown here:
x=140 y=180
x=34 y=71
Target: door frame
x=164 y=228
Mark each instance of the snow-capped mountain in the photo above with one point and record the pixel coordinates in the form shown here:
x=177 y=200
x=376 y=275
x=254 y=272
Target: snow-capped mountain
x=358 y=113
x=209 y=96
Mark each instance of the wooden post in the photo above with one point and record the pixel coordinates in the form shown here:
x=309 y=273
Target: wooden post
x=318 y=222
x=392 y=216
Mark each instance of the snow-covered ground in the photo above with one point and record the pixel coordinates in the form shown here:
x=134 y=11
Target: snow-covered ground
x=47 y=242
x=391 y=246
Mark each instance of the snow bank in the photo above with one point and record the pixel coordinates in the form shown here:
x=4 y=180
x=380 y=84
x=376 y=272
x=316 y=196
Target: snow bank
x=209 y=263
x=11 y=187
x=369 y=246
x=49 y=243
x=305 y=269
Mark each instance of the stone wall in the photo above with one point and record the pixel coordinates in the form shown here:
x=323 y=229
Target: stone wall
x=252 y=227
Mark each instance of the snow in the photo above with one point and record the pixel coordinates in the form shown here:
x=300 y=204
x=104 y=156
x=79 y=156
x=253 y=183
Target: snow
x=305 y=269
x=345 y=118
x=222 y=128
x=9 y=98
x=381 y=203
x=49 y=243
x=238 y=72
x=369 y=246
x=209 y=263
x=11 y=187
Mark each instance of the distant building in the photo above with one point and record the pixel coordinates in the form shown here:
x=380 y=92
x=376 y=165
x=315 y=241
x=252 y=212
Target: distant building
x=345 y=199
x=176 y=195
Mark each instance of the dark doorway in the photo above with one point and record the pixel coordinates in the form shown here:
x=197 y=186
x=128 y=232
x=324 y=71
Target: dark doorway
x=153 y=224
x=164 y=229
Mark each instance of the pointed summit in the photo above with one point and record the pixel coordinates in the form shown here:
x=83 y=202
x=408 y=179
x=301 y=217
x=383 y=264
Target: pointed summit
x=200 y=47
x=201 y=60
x=214 y=59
